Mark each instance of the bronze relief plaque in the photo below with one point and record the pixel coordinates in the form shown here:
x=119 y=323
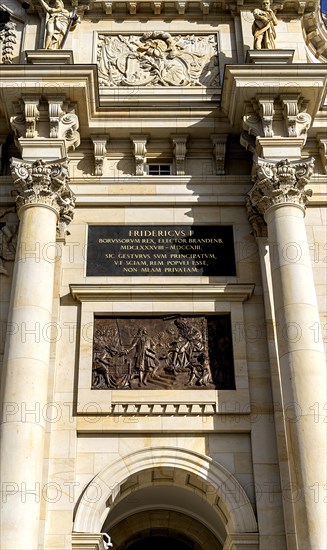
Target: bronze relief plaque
x=163 y=352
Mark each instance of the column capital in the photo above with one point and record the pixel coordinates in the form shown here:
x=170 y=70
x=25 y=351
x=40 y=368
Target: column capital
x=281 y=182
x=45 y=184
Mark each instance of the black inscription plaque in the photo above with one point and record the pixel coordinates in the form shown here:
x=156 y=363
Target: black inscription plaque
x=116 y=250
x=172 y=352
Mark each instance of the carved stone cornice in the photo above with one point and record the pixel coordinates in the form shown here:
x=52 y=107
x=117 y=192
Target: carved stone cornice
x=278 y=183
x=44 y=183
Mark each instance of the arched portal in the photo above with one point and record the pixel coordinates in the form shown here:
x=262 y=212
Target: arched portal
x=168 y=494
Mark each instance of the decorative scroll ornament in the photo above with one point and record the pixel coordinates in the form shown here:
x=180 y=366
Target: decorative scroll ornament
x=263 y=113
x=63 y=121
x=281 y=183
x=157 y=59
x=44 y=183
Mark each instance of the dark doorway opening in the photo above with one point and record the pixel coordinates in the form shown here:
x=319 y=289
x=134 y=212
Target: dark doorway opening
x=160 y=543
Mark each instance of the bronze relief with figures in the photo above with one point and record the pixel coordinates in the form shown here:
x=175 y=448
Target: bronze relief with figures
x=168 y=352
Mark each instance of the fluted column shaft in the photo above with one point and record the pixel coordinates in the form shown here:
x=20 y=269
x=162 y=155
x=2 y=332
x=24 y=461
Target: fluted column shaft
x=279 y=194
x=43 y=198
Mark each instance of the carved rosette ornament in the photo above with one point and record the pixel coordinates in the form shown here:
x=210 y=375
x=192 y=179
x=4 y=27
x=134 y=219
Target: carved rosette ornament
x=44 y=183
x=282 y=182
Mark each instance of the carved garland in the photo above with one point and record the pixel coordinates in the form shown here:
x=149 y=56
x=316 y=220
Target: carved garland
x=7 y=37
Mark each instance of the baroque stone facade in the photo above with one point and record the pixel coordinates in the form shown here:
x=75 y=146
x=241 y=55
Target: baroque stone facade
x=162 y=264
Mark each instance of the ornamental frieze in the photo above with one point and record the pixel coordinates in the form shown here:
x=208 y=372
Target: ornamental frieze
x=157 y=59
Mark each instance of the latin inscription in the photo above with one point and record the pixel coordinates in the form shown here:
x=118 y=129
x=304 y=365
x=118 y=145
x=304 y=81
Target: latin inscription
x=160 y=250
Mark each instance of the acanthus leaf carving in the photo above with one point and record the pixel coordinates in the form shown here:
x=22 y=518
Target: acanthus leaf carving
x=157 y=59
x=44 y=183
x=282 y=182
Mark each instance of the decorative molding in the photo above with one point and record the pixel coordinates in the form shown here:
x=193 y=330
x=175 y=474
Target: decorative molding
x=227 y=292
x=93 y=507
x=297 y=120
x=242 y=541
x=179 y=149
x=263 y=113
x=157 y=6
x=88 y=541
x=100 y=143
x=139 y=142
x=44 y=183
x=205 y=7
x=219 y=151
x=132 y=7
x=181 y=7
x=31 y=115
x=315 y=33
x=163 y=409
x=62 y=120
x=55 y=112
x=266 y=113
x=157 y=59
x=282 y=182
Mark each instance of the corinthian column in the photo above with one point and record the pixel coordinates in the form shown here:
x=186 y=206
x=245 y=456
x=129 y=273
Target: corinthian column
x=44 y=200
x=279 y=194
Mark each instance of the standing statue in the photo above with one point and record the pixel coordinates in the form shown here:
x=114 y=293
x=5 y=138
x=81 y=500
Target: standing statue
x=58 y=24
x=263 y=28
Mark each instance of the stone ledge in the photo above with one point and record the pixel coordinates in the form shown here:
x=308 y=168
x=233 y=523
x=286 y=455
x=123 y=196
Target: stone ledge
x=283 y=57
x=54 y=57
x=227 y=292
